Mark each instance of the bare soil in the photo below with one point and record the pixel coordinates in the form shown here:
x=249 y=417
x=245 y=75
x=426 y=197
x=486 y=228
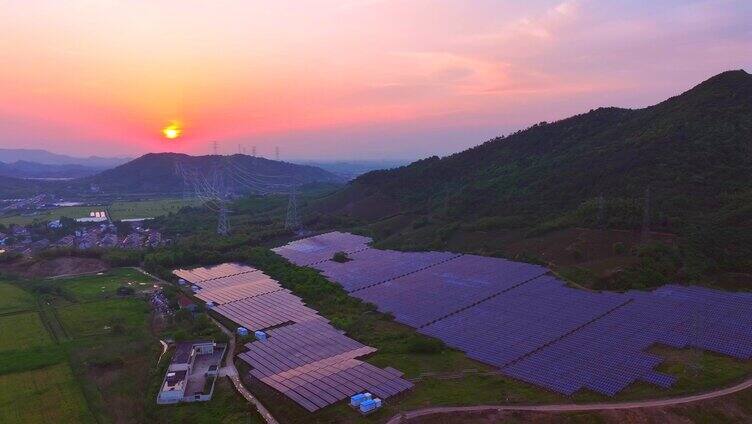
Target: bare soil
x=54 y=267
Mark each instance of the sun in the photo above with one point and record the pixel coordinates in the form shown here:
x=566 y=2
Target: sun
x=172 y=131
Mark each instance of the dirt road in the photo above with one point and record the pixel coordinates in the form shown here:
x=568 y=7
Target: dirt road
x=574 y=407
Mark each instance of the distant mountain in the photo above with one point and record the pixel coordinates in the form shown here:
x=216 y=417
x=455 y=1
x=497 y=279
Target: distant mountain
x=688 y=158
x=352 y=169
x=24 y=169
x=48 y=158
x=155 y=173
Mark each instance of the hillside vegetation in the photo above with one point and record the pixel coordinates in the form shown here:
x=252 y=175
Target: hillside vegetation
x=686 y=161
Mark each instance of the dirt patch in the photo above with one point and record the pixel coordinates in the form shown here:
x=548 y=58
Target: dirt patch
x=55 y=267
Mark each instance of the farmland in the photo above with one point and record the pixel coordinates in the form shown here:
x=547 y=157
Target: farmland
x=43 y=395
x=28 y=331
x=14 y=299
x=117 y=210
x=74 y=350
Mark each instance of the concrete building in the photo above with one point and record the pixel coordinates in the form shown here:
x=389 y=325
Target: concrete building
x=192 y=372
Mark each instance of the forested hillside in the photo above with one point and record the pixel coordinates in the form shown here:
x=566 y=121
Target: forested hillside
x=686 y=161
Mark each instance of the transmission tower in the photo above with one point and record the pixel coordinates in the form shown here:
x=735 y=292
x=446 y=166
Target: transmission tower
x=215 y=147
x=646 y=216
x=276 y=153
x=228 y=173
x=293 y=221
x=601 y=218
x=253 y=151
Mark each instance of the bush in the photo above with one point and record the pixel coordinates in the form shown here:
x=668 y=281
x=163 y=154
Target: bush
x=619 y=248
x=340 y=257
x=425 y=345
x=125 y=291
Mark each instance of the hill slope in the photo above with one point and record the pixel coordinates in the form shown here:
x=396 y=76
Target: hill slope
x=693 y=153
x=49 y=158
x=155 y=173
x=24 y=169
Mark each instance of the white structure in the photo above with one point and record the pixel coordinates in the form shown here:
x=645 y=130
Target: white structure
x=192 y=372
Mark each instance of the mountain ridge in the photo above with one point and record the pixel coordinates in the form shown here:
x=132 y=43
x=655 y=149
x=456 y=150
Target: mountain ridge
x=688 y=157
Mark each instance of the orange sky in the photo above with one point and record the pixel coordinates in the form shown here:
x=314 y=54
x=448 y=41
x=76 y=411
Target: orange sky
x=345 y=79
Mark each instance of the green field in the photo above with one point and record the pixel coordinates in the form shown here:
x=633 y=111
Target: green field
x=103 y=317
x=117 y=210
x=97 y=287
x=147 y=208
x=14 y=299
x=45 y=395
x=74 y=351
x=49 y=215
x=27 y=330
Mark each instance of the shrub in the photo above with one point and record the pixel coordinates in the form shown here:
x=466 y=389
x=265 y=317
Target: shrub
x=619 y=248
x=340 y=257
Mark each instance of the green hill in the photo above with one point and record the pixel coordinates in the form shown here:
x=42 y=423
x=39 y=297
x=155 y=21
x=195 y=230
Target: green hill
x=155 y=173
x=692 y=153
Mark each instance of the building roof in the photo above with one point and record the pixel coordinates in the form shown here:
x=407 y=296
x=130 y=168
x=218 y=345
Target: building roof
x=184 y=302
x=183 y=350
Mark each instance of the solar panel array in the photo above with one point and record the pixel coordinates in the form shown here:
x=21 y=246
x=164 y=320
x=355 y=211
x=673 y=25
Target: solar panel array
x=197 y=275
x=322 y=247
x=371 y=266
x=535 y=328
x=435 y=292
x=304 y=357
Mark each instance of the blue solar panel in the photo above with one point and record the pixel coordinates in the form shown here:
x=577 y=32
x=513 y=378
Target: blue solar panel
x=372 y=266
x=535 y=328
x=435 y=292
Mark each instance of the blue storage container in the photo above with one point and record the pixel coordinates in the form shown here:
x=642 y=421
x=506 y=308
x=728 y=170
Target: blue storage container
x=367 y=406
x=260 y=335
x=359 y=398
x=242 y=331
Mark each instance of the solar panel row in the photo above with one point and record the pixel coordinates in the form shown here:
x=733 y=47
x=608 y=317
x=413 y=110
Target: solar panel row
x=303 y=357
x=322 y=247
x=197 y=275
x=420 y=298
x=371 y=267
x=536 y=329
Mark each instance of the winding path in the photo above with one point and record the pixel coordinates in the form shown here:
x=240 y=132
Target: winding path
x=574 y=407
x=232 y=373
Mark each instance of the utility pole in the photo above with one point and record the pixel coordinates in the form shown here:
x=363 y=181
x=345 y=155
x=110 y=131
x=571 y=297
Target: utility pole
x=646 y=216
x=600 y=219
x=276 y=153
x=293 y=221
x=215 y=147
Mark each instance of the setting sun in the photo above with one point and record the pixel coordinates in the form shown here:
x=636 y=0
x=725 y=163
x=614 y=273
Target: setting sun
x=172 y=131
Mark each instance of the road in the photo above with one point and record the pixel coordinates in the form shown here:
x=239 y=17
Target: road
x=232 y=373
x=575 y=407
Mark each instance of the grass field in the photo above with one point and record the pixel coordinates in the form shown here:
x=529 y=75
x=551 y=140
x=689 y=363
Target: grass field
x=97 y=287
x=147 y=208
x=27 y=330
x=13 y=298
x=45 y=395
x=117 y=210
x=99 y=318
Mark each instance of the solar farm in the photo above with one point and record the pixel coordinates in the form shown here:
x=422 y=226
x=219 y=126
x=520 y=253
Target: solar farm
x=528 y=324
x=303 y=356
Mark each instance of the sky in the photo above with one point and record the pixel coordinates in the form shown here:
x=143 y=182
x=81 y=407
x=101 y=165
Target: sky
x=342 y=79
